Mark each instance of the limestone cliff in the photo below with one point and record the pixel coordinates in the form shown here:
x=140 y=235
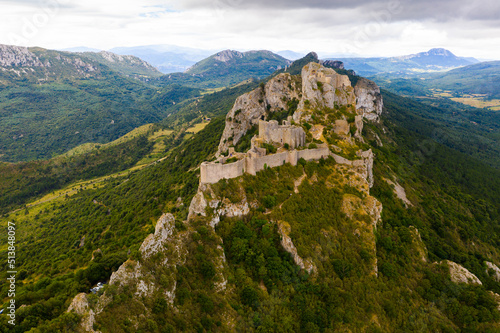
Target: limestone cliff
x=460 y=274
x=368 y=99
x=18 y=56
x=255 y=105
x=317 y=87
x=323 y=87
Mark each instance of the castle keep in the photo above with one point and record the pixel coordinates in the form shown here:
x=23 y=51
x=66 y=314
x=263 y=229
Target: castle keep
x=256 y=159
x=271 y=132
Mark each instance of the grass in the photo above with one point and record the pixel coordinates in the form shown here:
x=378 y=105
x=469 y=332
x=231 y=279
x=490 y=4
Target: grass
x=196 y=128
x=478 y=102
x=90 y=146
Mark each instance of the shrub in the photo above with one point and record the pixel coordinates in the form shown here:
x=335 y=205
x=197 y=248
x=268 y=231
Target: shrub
x=269 y=201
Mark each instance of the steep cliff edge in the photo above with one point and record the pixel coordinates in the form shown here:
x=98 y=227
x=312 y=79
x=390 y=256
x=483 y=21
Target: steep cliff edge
x=317 y=87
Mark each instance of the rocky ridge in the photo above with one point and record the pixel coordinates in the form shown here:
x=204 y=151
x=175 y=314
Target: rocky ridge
x=317 y=87
x=18 y=56
x=44 y=65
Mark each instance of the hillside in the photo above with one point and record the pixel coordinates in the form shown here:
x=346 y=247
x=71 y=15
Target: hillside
x=51 y=101
x=308 y=246
x=475 y=85
x=36 y=64
x=432 y=60
x=124 y=64
x=227 y=68
x=482 y=79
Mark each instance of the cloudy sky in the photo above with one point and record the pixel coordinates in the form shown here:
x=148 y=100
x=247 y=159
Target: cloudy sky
x=362 y=27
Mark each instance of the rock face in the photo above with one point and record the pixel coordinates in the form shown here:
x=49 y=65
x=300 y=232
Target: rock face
x=420 y=246
x=280 y=90
x=18 y=56
x=163 y=230
x=493 y=270
x=245 y=114
x=368 y=99
x=318 y=87
x=253 y=106
x=323 y=87
x=226 y=55
x=400 y=192
x=80 y=305
x=460 y=274
x=286 y=242
x=334 y=64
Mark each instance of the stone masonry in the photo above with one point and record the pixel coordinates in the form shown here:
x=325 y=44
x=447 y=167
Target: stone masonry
x=256 y=159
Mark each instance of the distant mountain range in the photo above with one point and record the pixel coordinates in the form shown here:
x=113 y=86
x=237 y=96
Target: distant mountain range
x=38 y=64
x=166 y=58
x=437 y=59
x=228 y=67
x=478 y=79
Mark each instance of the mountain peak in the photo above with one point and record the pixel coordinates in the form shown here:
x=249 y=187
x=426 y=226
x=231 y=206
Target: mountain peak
x=312 y=55
x=439 y=52
x=226 y=55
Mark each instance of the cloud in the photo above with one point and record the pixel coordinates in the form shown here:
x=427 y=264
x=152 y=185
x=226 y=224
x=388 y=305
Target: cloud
x=388 y=27
x=441 y=10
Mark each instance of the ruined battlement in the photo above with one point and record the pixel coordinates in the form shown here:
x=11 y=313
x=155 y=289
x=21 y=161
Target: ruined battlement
x=212 y=172
x=271 y=132
x=256 y=159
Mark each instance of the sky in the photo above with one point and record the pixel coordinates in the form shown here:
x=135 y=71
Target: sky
x=329 y=27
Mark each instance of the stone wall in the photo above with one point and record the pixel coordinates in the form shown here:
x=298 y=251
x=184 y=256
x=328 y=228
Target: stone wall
x=271 y=132
x=313 y=154
x=212 y=172
x=254 y=165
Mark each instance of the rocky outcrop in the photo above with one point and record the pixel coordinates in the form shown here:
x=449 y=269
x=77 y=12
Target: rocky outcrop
x=80 y=305
x=399 y=191
x=369 y=101
x=460 y=274
x=366 y=164
x=163 y=230
x=493 y=270
x=323 y=87
x=17 y=56
x=226 y=55
x=287 y=243
x=198 y=204
x=342 y=127
x=246 y=113
x=319 y=87
x=334 y=64
x=254 y=106
x=420 y=247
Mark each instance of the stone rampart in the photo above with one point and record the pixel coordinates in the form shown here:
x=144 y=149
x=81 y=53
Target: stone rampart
x=211 y=172
x=313 y=154
x=256 y=164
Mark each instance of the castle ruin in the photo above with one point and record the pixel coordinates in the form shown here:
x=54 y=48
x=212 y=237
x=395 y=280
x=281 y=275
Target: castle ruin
x=271 y=132
x=256 y=158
